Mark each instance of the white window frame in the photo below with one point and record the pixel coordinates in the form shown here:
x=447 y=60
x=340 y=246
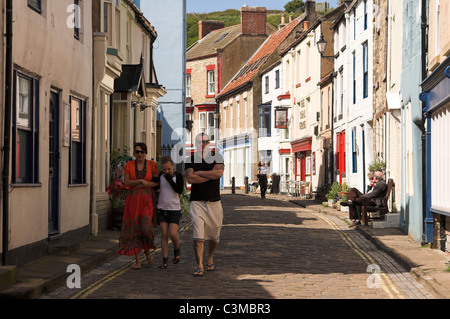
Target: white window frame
x=211 y=82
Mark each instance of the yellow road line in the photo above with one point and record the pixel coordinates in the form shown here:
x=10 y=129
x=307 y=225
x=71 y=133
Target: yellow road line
x=116 y=273
x=356 y=248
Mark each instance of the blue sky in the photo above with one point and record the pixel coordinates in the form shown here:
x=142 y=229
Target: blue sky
x=204 y=6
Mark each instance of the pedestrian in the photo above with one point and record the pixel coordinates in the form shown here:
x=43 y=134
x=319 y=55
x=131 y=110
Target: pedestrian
x=203 y=172
x=169 y=209
x=262 y=178
x=141 y=177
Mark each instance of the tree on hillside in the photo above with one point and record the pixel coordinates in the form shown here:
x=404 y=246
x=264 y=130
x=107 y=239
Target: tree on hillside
x=294 y=6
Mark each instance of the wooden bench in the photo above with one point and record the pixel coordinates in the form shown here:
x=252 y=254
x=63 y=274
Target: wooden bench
x=366 y=209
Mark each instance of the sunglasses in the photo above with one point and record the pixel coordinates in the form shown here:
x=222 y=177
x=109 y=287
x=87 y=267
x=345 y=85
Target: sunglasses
x=203 y=141
x=139 y=152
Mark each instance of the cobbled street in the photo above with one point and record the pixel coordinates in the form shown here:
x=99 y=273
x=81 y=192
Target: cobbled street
x=269 y=249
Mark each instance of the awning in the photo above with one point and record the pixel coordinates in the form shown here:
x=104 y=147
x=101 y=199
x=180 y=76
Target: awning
x=301 y=145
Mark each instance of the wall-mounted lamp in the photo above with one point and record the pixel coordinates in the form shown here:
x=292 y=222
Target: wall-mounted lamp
x=321 y=46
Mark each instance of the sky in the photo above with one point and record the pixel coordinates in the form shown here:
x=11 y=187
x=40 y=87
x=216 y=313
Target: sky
x=205 y=6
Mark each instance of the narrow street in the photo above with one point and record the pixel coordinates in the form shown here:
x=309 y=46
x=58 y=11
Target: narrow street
x=269 y=249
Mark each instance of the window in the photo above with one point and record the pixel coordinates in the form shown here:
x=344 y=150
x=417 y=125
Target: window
x=365 y=70
x=188 y=85
x=266 y=79
x=264 y=120
x=207 y=124
x=277 y=79
x=365 y=14
x=77 y=162
x=36 y=5
x=25 y=127
x=211 y=82
x=354 y=78
x=354 y=23
x=76 y=29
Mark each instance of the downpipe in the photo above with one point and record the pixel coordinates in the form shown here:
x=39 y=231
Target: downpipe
x=7 y=130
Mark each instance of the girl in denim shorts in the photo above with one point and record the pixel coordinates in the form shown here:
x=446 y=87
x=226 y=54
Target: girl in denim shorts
x=169 y=209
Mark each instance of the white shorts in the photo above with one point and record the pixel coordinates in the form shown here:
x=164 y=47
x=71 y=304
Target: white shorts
x=207 y=220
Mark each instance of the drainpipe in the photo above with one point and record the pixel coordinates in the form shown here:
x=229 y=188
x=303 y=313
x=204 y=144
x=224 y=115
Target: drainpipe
x=7 y=128
x=426 y=138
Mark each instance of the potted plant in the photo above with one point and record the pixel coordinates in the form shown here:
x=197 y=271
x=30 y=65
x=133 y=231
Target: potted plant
x=116 y=189
x=377 y=165
x=343 y=190
x=333 y=193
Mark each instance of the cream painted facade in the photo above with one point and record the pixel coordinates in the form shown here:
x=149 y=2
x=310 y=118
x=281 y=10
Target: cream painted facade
x=238 y=137
x=439 y=37
x=302 y=67
x=120 y=118
x=49 y=61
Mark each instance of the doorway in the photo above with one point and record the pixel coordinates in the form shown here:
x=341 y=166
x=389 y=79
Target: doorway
x=53 y=175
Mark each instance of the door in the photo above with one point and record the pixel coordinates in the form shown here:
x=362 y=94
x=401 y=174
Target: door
x=53 y=174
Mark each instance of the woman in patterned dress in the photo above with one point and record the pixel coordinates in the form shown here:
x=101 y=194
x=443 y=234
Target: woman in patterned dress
x=140 y=176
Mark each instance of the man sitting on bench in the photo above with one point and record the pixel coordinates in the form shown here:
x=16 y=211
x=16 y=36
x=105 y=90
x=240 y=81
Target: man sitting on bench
x=373 y=198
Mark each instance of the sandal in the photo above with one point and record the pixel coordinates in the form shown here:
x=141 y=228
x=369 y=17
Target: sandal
x=137 y=266
x=211 y=267
x=149 y=258
x=164 y=265
x=177 y=257
x=198 y=272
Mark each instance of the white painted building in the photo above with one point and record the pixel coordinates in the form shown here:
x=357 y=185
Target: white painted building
x=274 y=143
x=357 y=88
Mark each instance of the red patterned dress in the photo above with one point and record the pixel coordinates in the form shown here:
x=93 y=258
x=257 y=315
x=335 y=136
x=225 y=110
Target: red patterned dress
x=137 y=227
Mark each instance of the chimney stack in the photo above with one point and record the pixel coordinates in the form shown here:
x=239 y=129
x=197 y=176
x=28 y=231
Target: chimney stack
x=310 y=11
x=206 y=26
x=254 y=20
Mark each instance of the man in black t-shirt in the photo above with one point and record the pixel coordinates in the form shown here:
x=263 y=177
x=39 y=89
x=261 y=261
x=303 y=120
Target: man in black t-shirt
x=203 y=171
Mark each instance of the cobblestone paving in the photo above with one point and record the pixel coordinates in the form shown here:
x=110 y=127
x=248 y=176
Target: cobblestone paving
x=269 y=249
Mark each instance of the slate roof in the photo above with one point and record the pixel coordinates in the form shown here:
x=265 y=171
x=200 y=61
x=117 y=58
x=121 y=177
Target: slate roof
x=217 y=40
x=213 y=41
x=250 y=69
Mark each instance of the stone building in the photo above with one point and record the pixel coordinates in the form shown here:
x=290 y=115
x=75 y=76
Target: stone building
x=386 y=96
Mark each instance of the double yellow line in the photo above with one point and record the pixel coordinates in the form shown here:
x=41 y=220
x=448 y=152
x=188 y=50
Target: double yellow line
x=83 y=294
x=386 y=283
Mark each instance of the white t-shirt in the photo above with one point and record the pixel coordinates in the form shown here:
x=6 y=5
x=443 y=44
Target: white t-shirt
x=168 y=198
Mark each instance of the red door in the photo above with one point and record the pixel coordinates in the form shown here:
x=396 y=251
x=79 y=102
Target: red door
x=303 y=168
x=340 y=156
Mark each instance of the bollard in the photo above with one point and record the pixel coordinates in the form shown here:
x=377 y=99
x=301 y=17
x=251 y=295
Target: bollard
x=233 y=191
x=246 y=184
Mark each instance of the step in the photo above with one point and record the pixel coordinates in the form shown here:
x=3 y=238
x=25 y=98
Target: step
x=392 y=220
x=8 y=276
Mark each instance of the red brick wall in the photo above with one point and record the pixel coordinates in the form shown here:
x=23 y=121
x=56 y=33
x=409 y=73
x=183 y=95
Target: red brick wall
x=253 y=20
